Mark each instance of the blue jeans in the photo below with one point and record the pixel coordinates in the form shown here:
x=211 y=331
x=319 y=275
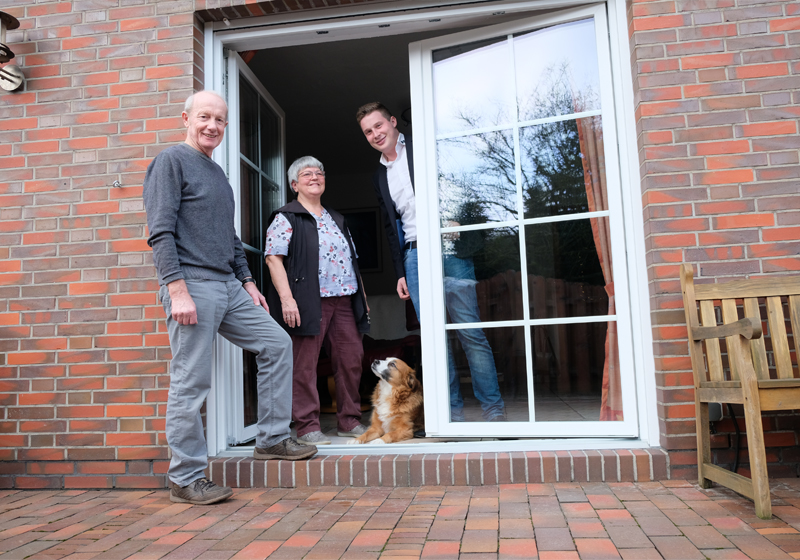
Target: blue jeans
x=462 y=305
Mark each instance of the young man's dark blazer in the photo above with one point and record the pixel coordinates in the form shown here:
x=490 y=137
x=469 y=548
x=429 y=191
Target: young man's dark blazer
x=390 y=217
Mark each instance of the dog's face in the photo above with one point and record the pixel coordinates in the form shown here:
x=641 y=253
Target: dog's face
x=395 y=372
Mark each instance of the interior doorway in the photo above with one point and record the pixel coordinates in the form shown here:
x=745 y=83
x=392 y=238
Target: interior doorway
x=318 y=88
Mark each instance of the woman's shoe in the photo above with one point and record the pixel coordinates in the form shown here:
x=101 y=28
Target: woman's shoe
x=314 y=438
x=355 y=432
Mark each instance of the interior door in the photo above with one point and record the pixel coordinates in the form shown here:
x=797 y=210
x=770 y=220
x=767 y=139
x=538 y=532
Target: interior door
x=524 y=303
x=256 y=170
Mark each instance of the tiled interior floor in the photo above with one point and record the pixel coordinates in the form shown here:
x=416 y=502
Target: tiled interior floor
x=567 y=409
x=328 y=425
x=548 y=409
x=563 y=521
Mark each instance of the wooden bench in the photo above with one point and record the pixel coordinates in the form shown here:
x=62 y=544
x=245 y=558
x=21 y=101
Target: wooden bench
x=742 y=372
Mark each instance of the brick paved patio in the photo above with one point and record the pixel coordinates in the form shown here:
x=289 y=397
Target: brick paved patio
x=638 y=521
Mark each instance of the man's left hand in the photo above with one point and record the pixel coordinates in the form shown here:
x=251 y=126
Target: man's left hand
x=258 y=298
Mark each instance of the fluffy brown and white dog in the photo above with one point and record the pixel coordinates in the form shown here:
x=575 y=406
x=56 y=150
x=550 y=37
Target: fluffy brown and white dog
x=396 y=404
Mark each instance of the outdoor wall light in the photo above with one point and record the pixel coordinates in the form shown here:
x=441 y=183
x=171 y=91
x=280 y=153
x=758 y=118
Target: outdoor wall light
x=11 y=77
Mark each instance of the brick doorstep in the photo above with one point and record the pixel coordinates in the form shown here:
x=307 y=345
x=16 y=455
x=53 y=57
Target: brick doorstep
x=475 y=469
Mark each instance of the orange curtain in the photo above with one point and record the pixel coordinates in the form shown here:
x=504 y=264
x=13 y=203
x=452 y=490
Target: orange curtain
x=590 y=135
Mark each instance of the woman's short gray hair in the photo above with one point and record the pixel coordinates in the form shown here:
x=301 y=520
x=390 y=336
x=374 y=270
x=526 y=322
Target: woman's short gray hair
x=303 y=163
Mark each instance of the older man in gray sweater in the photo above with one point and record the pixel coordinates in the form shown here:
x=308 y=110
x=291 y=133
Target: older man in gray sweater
x=206 y=288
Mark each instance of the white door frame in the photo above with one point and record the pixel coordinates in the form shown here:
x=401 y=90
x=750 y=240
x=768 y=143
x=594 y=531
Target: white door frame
x=225 y=401
x=362 y=21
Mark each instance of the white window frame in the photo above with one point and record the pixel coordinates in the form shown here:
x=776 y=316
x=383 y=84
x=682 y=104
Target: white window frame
x=363 y=20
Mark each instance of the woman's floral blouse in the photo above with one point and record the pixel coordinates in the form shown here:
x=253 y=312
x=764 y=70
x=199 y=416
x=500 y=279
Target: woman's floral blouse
x=336 y=274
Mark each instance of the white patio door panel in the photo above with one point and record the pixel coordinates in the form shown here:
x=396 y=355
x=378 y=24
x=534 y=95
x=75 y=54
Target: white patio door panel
x=256 y=164
x=520 y=216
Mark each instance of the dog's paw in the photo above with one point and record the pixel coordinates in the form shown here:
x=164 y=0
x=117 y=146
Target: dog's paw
x=353 y=441
x=378 y=441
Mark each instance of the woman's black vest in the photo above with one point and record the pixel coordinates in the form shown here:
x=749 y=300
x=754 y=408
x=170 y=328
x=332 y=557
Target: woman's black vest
x=302 y=271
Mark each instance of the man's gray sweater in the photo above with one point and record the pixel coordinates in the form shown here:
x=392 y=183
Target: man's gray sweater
x=190 y=213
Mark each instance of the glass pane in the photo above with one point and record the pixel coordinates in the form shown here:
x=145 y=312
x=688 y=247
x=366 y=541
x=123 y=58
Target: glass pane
x=569 y=366
x=270 y=143
x=556 y=70
x=270 y=201
x=248 y=120
x=481 y=275
x=566 y=277
x=251 y=225
x=488 y=379
x=563 y=168
x=255 y=262
x=477 y=179
x=471 y=86
x=249 y=388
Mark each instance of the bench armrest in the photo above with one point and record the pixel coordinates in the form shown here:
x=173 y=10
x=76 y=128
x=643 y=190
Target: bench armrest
x=746 y=327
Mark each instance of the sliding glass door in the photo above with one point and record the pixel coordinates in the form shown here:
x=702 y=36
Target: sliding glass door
x=521 y=236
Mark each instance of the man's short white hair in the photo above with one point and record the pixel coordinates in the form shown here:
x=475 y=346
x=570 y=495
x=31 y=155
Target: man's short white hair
x=187 y=107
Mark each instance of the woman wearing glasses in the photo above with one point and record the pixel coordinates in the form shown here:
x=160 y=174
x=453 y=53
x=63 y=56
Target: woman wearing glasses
x=317 y=295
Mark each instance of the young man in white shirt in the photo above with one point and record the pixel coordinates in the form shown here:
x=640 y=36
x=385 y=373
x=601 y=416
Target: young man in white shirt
x=394 y=187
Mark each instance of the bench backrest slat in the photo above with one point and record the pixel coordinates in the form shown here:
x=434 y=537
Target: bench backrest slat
x=713 y=354
x=730 y=315
x=757 y=346
x=780 y=342
x=794 y=314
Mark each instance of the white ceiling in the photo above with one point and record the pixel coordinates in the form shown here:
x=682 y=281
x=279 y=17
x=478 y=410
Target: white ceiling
x=320 y=86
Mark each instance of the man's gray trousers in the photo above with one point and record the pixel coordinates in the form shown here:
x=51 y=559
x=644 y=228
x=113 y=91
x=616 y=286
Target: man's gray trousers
x=223 y=307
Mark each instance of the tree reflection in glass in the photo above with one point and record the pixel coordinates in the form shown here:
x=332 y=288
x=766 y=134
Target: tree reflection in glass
x=566 y=52
x=553 y=181
x=477 y=178
x=481 y=168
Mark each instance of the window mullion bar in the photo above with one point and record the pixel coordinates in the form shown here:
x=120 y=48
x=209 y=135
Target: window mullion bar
x=523 y=262
x=558 y=118
x=523 y=124
x=248 y=162
x=267 y=177
x=258 y=157
x=555 y=321
x=566 y=217
x=528 y=221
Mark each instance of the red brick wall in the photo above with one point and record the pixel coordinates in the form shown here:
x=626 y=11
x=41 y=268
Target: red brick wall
x=716 y=84
x=84 y=375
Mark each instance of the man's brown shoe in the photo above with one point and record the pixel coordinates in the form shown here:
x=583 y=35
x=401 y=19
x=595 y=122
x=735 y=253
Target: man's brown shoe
x=201 y=492
x=288 y=449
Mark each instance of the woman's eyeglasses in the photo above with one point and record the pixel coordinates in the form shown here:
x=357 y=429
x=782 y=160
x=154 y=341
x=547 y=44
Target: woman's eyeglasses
x=309 y=174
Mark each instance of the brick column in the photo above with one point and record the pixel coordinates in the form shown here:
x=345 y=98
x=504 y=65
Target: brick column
x=84 y=369
x=716 y=84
